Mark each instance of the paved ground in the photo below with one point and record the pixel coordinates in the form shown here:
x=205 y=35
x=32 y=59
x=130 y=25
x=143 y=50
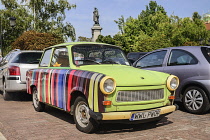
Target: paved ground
x=19 y=121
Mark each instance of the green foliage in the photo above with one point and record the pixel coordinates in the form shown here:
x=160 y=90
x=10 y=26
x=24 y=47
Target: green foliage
x=153 y=29
x=108 y=39
x=40 y=15
x=83 y=39
x=49 y=15
x=120 y=23
x=32 y=40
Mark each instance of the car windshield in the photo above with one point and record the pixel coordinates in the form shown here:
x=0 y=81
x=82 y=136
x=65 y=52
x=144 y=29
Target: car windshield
x=90 y=54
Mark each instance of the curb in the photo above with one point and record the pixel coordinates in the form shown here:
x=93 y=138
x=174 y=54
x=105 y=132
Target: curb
x=2 y=137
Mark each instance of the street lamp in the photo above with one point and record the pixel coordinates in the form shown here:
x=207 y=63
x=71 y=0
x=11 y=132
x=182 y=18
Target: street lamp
x=12 y=21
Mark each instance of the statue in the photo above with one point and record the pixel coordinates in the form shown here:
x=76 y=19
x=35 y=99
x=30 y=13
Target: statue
x=96 y=16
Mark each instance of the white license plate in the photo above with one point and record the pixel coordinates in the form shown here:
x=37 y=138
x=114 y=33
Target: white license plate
x=145 y=115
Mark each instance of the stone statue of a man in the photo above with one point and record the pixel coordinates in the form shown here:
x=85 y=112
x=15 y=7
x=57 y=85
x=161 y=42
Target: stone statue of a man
x=96 y=16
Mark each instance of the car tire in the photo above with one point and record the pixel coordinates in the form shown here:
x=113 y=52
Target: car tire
x=38 y=106
x=82 y=118
x=6 y=95
x=195 y=100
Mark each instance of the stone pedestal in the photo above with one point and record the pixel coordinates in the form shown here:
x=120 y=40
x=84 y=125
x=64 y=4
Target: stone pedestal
x=96 y=31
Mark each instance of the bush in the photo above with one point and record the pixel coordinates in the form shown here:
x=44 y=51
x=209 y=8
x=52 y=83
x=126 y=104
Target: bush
x=32 y=40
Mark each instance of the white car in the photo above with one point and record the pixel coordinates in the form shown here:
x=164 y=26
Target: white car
x=13 y=69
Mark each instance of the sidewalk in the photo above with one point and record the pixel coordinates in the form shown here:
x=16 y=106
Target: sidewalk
x=2 y=136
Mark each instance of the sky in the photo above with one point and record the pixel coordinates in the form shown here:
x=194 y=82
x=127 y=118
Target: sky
x=109 y=10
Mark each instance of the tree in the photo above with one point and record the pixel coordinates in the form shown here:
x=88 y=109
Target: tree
x=40 y=15
x=9 y=34
x=154 y=29
x=83 y=39
x=48 y=16
x=121 y=24
x=106 y=39
x=196 y=16
x=32 y=40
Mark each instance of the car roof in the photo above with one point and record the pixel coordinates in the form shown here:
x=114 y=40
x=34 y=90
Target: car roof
x=137 y=52
x=181 y=47
x=18 y=50
x=80 y=43
x=185 y=47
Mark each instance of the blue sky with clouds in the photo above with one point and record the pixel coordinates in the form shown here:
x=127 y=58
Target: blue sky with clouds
x=109 y=10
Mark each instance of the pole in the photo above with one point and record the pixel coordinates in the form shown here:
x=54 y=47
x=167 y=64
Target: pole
x=1 y=36
x=34 y=11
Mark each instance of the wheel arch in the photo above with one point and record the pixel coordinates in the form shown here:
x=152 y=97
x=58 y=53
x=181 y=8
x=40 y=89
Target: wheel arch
x=74 y=95
x=30 y=89
x=197 y=84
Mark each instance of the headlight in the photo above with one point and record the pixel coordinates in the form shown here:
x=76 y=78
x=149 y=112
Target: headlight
x=107 y=85
x=172 y=82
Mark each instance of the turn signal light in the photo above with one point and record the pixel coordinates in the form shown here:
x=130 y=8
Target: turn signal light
x=171 y=97
x=107 y=102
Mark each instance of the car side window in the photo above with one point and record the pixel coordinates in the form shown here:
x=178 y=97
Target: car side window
x=152 y=60
x=60 y=58
x=77 y=57
x=46 y=58
x=206 y=53
x=7 y=58
x=181 y=57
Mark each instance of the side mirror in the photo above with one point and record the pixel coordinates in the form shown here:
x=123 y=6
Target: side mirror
x=5 y=62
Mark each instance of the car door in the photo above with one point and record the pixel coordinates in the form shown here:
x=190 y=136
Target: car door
x=182 y=64
x=152 y=61
x=55 y=75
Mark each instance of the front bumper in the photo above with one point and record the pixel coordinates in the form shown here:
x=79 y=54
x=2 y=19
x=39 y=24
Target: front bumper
x=127 y=115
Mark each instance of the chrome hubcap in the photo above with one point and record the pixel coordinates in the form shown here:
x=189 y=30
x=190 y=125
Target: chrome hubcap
x=194 y=99
x=82 y=114
x=35 y=99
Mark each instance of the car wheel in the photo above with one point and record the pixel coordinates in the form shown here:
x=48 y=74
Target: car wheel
x=38 y=106
x=195 y=100
x=6 y=95
x=82 y=118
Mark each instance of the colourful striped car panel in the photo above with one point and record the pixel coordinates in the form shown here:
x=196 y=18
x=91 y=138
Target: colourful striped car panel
x=56 y=85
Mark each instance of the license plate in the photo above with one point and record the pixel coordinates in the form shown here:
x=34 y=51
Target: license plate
x=145 y=115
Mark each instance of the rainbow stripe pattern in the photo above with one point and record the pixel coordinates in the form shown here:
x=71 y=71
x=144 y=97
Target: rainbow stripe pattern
x=55 y=87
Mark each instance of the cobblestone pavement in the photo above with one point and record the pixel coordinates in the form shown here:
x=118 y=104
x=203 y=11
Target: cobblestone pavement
x=19 y=121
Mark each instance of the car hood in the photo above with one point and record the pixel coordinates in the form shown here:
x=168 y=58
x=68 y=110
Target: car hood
x=129 y=76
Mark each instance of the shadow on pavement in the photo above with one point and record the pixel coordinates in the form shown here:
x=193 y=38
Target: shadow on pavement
x=119 y=128
x=106 y=128
x=19 y=96
x=59 y=114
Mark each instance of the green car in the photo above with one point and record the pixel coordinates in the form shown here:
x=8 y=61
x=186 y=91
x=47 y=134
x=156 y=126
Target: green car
x=95 y=83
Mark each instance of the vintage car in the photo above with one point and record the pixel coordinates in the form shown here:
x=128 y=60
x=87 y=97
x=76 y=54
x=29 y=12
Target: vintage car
x=95 y=83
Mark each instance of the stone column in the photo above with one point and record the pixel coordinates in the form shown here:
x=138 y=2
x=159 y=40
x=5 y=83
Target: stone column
x=96 y=31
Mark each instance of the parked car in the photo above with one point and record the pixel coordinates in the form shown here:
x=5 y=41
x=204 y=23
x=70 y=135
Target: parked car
x=133 y=56
x=13 y=69
x=95 y=83
x=191 y=65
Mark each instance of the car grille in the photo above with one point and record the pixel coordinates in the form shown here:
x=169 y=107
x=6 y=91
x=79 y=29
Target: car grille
x=140 y=95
